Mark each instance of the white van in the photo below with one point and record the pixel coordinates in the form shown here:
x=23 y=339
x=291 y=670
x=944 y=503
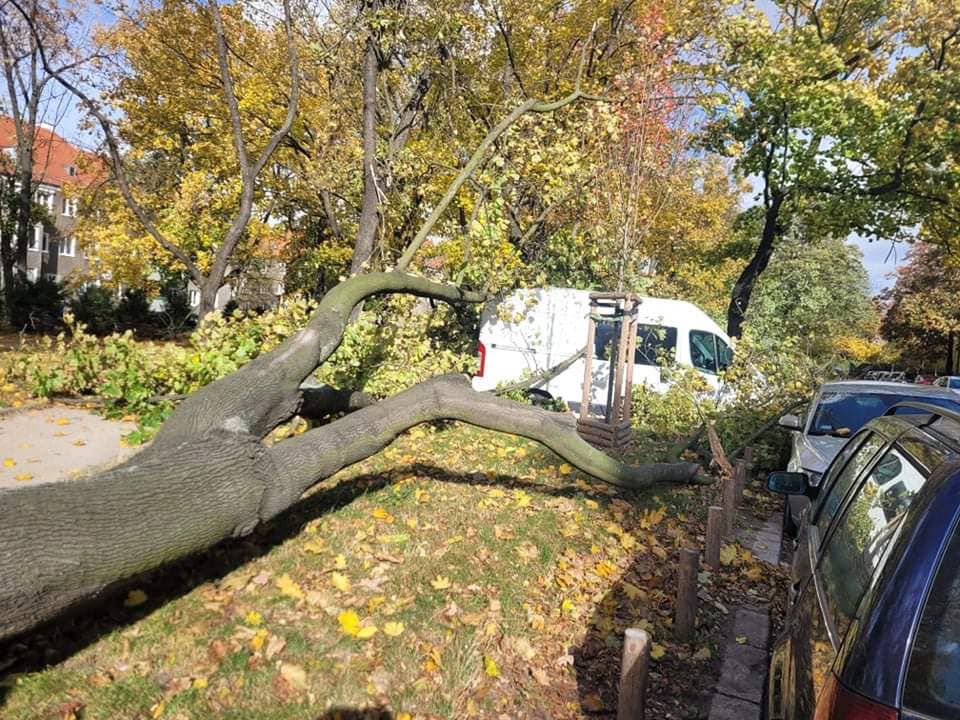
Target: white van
x=532 y=330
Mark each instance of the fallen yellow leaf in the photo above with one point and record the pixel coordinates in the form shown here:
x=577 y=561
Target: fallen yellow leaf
x=134 y=598
x=63 y=421
x=288 y=587
x=367 y=632
x=257 y=641
x=9 y=462
x=349 y=622
x=565 y=469
x=23 y=476
x=340 y=581
x=340 y=562
x=393 y=628
x=253 y=619
x=657 y=651
x=199 y=683
x=490 y=666
x=728 y=553
x=440 y=583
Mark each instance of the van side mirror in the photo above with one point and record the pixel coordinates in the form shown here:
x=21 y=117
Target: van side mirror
x=789 y=422
x=788 y=483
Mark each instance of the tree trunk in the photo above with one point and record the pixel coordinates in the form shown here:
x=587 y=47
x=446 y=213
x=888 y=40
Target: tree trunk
x=951 y=353
x=207 y=476
x=370 y=207
x=743 y=288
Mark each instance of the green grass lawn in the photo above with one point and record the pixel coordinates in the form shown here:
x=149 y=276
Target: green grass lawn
x=460 y=573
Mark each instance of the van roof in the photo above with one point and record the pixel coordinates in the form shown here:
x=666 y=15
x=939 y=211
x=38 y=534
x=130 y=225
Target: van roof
x=655 y=310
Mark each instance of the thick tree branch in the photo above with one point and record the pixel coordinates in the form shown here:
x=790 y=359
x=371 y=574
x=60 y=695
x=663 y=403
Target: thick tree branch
x=317 y=454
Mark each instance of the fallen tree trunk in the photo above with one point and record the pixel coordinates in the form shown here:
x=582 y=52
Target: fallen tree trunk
x=208 y=475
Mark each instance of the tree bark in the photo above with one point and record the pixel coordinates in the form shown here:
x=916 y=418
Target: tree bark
x=951 y=352
x=743 y=288
x=370 y=207
x=208 y=476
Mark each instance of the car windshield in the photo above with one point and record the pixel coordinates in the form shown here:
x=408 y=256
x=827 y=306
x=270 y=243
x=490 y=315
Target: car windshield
x=841 y=414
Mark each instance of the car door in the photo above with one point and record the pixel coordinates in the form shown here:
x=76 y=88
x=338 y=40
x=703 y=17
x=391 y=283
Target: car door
x=804 y=651
x=931 y=689
x=857 y=532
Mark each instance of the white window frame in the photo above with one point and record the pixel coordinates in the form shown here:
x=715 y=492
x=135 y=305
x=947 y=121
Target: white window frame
x=68 y=246
x=70 y=207
x=36 y=239
x=193 y=296
x=33 y=274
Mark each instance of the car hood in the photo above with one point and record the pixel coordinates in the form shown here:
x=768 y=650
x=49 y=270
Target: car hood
x=817 y=451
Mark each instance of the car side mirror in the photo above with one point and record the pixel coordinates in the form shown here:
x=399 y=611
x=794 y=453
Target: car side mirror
x=790 y=422
x=788 y=483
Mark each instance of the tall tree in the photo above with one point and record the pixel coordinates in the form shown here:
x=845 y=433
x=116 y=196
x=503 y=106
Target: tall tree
x=923 y=308
x=840 y=113
x=254 y=141
x=28 y=100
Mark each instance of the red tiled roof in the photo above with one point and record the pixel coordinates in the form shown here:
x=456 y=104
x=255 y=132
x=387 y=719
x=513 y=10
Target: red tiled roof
x=53 y=156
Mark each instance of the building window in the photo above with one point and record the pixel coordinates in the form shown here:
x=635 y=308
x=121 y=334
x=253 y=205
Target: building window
x=33 y=274
x=46 y=243
x=45 y=198
x=70 y=207
x=72 y=170
x=194 y=295
x=36 y=240
x=67 y=246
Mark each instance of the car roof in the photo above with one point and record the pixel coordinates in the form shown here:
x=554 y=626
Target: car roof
x=888 y=388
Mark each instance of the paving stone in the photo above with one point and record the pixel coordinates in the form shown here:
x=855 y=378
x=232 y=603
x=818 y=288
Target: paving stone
x=723 y=707
x=743 y=671
x=753 y=625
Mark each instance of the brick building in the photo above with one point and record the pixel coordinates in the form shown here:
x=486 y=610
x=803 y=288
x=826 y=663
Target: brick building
x=52 y=250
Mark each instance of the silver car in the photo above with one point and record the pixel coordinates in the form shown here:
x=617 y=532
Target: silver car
x=836 y=412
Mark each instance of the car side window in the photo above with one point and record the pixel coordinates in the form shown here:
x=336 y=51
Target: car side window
x=724 y=354
x=842 y=474
x=933 y=678
x=703 y=351
x=955 y=383
x=856 y=548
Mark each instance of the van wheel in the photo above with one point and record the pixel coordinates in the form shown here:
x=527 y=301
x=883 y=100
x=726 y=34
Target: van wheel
x=539 y=397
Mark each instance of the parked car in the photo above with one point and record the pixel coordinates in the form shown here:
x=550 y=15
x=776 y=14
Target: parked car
x=873 y=627
x=534 y=330
x=951 y=382
x=836 y=412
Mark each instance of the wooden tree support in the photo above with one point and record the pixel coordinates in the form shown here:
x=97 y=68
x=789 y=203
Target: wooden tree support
x=714 y=537
x=631 y=700
x=684 y=623
x=612 y=430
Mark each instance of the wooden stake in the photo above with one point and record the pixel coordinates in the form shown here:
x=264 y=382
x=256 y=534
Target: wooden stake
x=686 y=614
x=633 y=675
x=748 y=456
x=588 y=368
x=714 y=536
x=729 y=505
x=740 y=479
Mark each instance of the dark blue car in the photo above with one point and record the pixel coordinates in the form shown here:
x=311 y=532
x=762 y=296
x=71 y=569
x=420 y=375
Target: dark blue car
x=873 y=629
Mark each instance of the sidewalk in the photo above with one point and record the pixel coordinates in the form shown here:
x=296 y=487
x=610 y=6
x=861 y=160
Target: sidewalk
x=55 y=443
x=739 y=691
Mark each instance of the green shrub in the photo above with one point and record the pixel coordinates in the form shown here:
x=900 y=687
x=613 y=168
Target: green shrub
x=134 y=308
x=36 y=306
x=94 y=307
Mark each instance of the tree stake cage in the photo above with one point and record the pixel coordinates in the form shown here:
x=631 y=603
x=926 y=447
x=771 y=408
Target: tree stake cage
x=615 y=314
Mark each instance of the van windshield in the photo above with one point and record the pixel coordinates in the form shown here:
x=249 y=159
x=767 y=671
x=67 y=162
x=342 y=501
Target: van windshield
x=656 y=344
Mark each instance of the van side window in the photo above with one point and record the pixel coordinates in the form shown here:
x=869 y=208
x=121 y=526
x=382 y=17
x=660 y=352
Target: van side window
x=656 y=345
x=933 y=678
x=703 y=351
x=856 y=549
